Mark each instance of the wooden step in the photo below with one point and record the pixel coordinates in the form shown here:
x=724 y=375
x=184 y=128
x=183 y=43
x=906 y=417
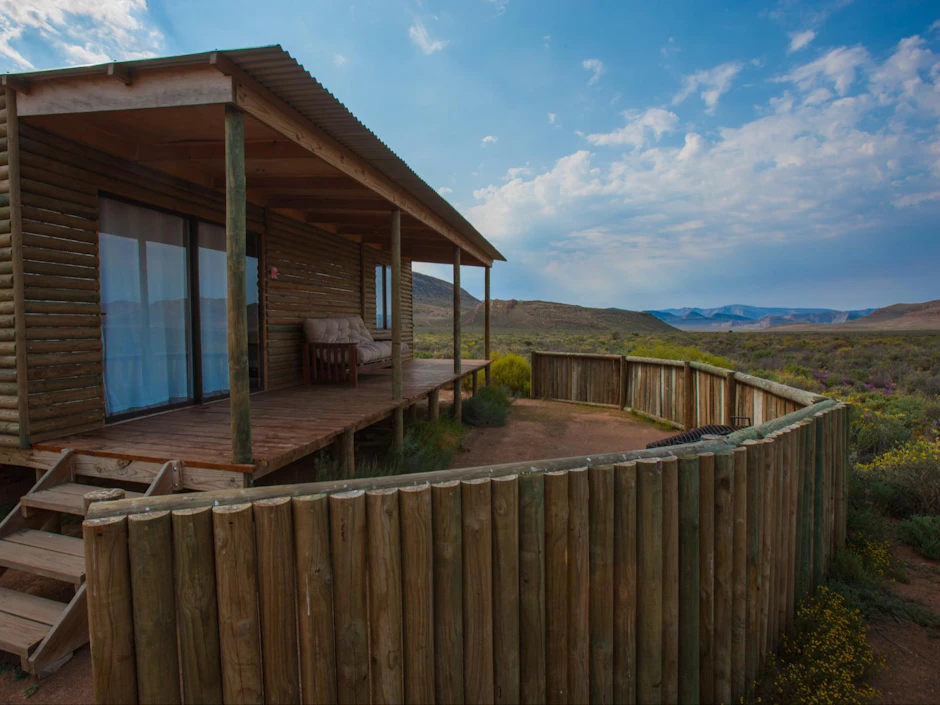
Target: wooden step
x=24 y=550
x=31 y=607
x=20 y=636
x=69 y=497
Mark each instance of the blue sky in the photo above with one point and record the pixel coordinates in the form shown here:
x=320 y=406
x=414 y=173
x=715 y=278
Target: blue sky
x=640 y=155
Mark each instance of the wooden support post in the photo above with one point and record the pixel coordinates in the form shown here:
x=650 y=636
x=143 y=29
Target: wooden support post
x=486 y=321
x=16 y=240
x=818 y=504
x=724 y=576
x=625 y=585
x=731 y=401
x=417 y=588
x=344 y=452
x=458 y=401
x=670 y=556
x=688 y=397
x=448 y=593
x=739 y=576
x=649 y=556
x=506 y=666
x=532 y=588
x=601 y=572
x=578 y=586
x=434 y=404
x=396 y=327
x=235 y=238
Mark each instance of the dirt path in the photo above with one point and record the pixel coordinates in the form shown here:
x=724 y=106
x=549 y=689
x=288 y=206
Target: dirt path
x=540 y=429
x=912 y=652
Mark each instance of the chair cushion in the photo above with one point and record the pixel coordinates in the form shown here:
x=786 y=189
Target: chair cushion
x=376 y=351
x=337 y=329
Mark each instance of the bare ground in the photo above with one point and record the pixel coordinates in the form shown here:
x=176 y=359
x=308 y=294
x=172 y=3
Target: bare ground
x=912 y=652
x=540 y=429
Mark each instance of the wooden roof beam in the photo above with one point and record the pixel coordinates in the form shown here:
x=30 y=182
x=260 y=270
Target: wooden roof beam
x=264 y=106
x=215 y=149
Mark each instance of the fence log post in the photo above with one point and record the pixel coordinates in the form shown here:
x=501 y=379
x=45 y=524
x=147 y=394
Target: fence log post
x=739 y=561
x=350 y=611
x=819 y=493
x=649 y=617
x=478 y=591
x=753 y=534
x=417 y=561
x=315 y=597
x=197 y=611
x=150 y=546
x=688 y=397
x=768 y=533
x=670 y=557
x=691 y=635
x=532 y=587
x=556 y=586
x=625 y=585
x=385 y=605
x=276 y=577
x=237 y=594
x=724 y=576
x=601 y=600
x=448 y=593
x=506 y=588
x=110 y=610
x=707 y=575
x=579 y=672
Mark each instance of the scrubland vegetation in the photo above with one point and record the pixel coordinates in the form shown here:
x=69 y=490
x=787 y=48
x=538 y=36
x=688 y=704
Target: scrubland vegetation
x=893 y=384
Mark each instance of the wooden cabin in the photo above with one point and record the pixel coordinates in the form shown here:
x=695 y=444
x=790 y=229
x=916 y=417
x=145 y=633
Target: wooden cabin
x=167 y=225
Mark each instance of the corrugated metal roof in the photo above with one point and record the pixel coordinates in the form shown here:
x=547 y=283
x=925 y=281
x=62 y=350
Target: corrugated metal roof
x=280 y=73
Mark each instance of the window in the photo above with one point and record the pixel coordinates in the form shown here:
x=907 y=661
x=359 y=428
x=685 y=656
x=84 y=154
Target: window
x=165 y=320
x=383 y=297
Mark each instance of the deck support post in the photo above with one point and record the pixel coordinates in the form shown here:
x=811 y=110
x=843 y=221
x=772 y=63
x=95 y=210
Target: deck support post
x=344 y=452
x=235 y=237
x=458 y=399
x=486 y=322
x=396 y=327
x=434 y=405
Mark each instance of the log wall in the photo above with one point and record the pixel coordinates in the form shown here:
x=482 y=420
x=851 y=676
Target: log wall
x=681 y=394
x=674 y=579
x=319 y=275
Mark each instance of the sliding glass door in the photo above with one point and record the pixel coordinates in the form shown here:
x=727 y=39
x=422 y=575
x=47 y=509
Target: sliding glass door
x=164 y=347
x=145 y=308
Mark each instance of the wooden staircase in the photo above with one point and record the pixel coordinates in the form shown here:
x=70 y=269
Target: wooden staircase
x=43 y=632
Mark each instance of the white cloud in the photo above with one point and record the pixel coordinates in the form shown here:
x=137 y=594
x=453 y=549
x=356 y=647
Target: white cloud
x=935 y=27
x=489 y=139
x=444 y=190
x=499 y=5
x=801 y=40
x=596 y=67
x=714 y=83
x=810 y=166
x=552 y=118
x=670 y=48
x=81 y=31
x=839 y=67
x=420 y=36
x=638 y=127
x=339 y=60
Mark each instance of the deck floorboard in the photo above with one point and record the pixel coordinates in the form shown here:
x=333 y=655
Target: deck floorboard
x=286 y=424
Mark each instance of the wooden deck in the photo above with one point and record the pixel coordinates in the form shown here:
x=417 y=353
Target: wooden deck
x=286 y=424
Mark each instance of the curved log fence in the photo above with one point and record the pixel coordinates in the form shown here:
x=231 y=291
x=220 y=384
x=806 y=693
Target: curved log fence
x=681 y=394
x=651 y=576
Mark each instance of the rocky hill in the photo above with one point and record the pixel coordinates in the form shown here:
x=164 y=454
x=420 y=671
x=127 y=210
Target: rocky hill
x=914 y=317
x=433 y=304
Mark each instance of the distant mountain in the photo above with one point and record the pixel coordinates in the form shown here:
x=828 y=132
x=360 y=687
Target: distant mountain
x=740 y=317
x=915 y=317
x=433 y=310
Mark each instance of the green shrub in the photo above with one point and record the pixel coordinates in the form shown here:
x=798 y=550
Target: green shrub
x=511 y=371
x=674 y=351
x=905 y=480
x=884 y=422
x=490 y=407
x=827 y=660
x=923 y=534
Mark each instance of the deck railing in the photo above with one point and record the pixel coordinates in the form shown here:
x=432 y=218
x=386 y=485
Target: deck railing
x=681 y=394
x=664 y=575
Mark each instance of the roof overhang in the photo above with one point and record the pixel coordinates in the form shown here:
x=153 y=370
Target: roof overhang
x=271 y=87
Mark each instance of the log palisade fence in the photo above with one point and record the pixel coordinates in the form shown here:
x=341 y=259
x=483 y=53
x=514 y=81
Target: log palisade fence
x=651 y=576
x=681 y=394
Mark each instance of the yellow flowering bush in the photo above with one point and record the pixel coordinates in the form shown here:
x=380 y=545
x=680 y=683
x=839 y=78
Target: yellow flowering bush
x=906 y=479
x=829 y=659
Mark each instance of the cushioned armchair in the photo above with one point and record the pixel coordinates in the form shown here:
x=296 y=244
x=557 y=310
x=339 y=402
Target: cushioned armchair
x=338 y=348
